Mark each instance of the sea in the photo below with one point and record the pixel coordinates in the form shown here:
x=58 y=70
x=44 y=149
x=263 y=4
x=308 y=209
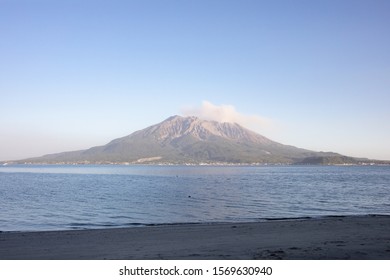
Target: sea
x=72 y=197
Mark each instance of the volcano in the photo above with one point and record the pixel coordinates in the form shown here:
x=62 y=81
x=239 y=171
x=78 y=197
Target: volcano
x=190 y=140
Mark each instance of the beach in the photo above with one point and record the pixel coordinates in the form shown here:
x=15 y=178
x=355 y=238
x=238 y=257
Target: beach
x=341 y=237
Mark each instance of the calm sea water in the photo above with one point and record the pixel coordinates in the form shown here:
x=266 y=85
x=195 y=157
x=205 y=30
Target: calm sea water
x=78 y=197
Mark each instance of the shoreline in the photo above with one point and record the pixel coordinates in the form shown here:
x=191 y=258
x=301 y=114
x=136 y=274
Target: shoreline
x=145 y=225
x=368 y=162
x=328 y=237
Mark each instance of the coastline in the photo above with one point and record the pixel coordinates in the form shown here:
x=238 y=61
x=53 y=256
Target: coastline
x=365 y=162
x=332 y=237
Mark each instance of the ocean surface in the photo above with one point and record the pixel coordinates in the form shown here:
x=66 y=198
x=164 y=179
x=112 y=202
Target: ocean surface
x=43 y=197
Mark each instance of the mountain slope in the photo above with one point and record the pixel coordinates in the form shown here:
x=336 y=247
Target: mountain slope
x=192 y=140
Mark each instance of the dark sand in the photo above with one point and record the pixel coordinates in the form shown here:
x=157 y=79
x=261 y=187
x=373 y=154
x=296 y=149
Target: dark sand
x=366 y=237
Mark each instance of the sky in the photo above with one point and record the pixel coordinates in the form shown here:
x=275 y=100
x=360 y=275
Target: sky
x=77 y=74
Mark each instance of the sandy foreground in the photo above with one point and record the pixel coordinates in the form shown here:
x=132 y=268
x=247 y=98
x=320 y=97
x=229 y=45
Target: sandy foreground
x=365 y=237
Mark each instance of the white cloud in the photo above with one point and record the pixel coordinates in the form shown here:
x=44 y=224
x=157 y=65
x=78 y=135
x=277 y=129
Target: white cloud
x=227 y=113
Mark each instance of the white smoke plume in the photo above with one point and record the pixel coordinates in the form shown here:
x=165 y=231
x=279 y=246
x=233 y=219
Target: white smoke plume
x=227 y=113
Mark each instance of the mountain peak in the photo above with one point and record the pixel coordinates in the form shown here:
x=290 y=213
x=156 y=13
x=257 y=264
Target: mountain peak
x=180 y=118
x=203 y=130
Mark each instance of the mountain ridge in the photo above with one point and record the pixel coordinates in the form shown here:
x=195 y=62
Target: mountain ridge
x=191 y=140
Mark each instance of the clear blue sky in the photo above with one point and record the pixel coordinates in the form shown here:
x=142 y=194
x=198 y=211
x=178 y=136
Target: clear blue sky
x=76 y=74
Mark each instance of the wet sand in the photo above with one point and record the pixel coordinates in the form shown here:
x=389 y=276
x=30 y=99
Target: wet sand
x=363 y=237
